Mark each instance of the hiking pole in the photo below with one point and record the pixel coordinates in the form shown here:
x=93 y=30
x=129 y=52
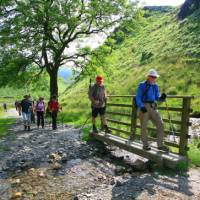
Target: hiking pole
x=170 y=122
x=83 y=125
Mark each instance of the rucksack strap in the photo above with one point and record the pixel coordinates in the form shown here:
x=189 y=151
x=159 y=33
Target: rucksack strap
x=146 y=90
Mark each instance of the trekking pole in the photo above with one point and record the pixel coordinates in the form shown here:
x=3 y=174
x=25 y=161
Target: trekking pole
x=83 y=125
x=170 y=122
x=62 y=118
x=89 y=115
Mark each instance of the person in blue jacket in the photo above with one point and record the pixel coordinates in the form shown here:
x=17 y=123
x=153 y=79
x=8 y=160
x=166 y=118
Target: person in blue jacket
x=147 y=96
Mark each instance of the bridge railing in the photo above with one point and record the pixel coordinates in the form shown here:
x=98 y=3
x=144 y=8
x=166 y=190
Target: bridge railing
x=122 y=117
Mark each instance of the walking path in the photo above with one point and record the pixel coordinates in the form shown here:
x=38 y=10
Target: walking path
x=45 y=164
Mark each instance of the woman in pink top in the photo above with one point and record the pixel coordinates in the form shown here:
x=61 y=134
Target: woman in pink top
x=40 y=108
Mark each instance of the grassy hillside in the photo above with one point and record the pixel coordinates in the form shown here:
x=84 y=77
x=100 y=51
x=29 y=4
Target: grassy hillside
x=159 y=41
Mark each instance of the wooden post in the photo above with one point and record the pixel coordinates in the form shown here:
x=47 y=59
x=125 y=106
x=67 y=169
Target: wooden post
x=184 y=126
x=133 y=120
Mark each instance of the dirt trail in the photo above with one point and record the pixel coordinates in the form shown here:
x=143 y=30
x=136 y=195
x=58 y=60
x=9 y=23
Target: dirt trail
x=45 y=164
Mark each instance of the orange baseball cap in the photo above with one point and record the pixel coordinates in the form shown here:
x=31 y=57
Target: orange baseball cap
x=99 y=78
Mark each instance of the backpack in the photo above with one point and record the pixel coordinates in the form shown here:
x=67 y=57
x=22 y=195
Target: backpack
x=93 y=90
x=40 y=105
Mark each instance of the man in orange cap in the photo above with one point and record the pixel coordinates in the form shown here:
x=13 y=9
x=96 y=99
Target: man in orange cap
x=97 y=96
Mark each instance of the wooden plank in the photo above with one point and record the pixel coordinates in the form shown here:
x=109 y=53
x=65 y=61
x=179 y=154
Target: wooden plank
x=119 y=105
x=118 y=113
x=138 y=126
x=168 y=96
x=133 y=120
x=129 y=115
x=184 y=126
x=172 y=121
x=165 y=131
x=119 y=130
x=168 y=159
x=170 y=108
x=165 y=142
x=117 y=96
x=118 y=122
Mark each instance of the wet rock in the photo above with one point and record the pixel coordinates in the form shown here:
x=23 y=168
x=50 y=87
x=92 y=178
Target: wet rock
x=119 y=170
x=118 y=183
x=55 y=156
x=61 y=151
x=64 y=158
x=56 y=166
x=75 y=198
x=112 y=182
x=140 y=165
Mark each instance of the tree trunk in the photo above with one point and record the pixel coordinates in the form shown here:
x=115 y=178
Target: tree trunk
x=53 y=82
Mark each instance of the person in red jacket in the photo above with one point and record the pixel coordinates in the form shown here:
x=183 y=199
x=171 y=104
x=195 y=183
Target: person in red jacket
x=54 y=107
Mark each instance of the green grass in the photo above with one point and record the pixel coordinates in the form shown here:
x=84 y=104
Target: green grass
x=194 y=152
x=174 y=51
x=5 y=124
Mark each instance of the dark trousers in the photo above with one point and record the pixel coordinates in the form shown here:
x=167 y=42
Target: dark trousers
x=32 y=117
x=54 y=118
x=40 y=118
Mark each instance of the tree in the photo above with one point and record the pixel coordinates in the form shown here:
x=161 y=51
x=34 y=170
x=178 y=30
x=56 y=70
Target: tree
x=187 y=7
x=41 y=32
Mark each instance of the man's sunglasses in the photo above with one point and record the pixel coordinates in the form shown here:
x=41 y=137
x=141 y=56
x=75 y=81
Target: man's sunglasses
x=154 y=77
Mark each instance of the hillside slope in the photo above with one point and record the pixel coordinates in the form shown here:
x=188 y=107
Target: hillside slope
x=159 y=41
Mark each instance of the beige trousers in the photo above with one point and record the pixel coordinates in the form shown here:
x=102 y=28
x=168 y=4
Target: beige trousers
x=153 y=115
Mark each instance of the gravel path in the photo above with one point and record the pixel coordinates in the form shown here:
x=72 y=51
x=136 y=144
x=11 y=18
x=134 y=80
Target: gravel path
x=56 y=165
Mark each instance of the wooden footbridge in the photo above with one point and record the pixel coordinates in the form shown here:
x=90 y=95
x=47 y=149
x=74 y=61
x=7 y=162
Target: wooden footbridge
x=123 y=121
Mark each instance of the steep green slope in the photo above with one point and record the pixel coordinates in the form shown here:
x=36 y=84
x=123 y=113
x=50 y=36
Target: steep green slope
x=159 y=41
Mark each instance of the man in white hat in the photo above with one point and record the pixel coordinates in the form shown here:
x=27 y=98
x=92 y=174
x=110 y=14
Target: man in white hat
x=147 y=96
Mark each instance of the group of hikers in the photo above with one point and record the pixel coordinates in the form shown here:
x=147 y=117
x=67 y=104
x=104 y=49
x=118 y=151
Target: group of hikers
x=28 y=108
x=146 y=97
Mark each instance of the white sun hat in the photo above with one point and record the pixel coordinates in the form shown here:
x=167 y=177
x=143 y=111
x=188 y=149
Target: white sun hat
x=153 y=72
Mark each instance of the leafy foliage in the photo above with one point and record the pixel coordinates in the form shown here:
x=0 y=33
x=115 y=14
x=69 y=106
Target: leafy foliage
x=43 y=31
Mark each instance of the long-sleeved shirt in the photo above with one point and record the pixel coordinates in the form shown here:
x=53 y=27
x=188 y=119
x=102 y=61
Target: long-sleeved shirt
x=53 y=106
x=26 y=105
x=147 y=92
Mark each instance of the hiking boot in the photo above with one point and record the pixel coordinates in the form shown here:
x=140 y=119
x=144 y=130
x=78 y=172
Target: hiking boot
x=94 y=129
x=164 y=148
x=25 y=127
x=147 y=148
x=102 y=128
x=29 y=128
x=107 y=130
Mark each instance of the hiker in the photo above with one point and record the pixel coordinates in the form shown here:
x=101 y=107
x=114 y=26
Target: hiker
x=26 y=106
x=97 y=96
x=5 y=107
x=147 y=96
x=16 y=105
x=33 y=113
x=53 y=107
x=40 y=109
x=19 y=108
